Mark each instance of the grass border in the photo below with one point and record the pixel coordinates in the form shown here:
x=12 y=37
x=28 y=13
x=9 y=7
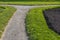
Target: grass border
x=5 y=17
x=36 y=25
x=30 y=3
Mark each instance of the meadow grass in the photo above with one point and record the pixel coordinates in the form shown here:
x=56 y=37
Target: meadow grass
x=31 y=3
x=36 y=26
x=5 y=14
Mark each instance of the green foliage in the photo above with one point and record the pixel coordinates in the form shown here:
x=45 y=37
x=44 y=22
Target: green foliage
x=36 y=26
x=5 y=15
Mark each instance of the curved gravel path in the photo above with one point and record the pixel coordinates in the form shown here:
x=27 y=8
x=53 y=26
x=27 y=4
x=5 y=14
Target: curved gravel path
x=15 y=30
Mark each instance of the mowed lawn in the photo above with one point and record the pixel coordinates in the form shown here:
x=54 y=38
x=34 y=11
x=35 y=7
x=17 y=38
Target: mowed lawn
x=5 y=14
x=31 y=3
x=36 y=26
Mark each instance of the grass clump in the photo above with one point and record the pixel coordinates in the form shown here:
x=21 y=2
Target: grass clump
x=1 y=9
x=36 y=25
x=5 y=14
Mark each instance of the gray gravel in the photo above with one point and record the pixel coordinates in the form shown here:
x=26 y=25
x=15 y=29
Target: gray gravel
x=15 y=30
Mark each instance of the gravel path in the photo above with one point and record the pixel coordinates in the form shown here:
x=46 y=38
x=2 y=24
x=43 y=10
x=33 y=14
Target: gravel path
x=15 y=30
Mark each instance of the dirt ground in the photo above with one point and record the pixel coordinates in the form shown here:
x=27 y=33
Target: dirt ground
x=52 y=17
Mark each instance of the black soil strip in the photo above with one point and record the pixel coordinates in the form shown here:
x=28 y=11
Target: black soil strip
x=52 y=17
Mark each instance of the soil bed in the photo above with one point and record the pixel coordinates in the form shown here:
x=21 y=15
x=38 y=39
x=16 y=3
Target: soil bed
x=52 y=17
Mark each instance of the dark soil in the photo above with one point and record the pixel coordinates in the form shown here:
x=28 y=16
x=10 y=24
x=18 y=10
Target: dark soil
x=52 y=17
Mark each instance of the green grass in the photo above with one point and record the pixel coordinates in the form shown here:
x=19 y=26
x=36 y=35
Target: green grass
x=31 y=0
x=31 y=3
x=1 y=9
x=5 y=14
x=36 y=25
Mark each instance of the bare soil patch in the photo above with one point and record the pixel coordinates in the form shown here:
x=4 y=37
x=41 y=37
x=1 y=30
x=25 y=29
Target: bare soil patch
x=52 y=17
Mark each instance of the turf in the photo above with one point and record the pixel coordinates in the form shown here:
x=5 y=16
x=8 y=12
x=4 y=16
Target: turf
x=31 y=0
x=36 y=26
x=31 y=3
x=5 y=14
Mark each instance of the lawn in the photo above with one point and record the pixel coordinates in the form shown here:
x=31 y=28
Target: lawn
x=36 y=26
x=31 y=3
x=6 y=13
x=30 y=0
